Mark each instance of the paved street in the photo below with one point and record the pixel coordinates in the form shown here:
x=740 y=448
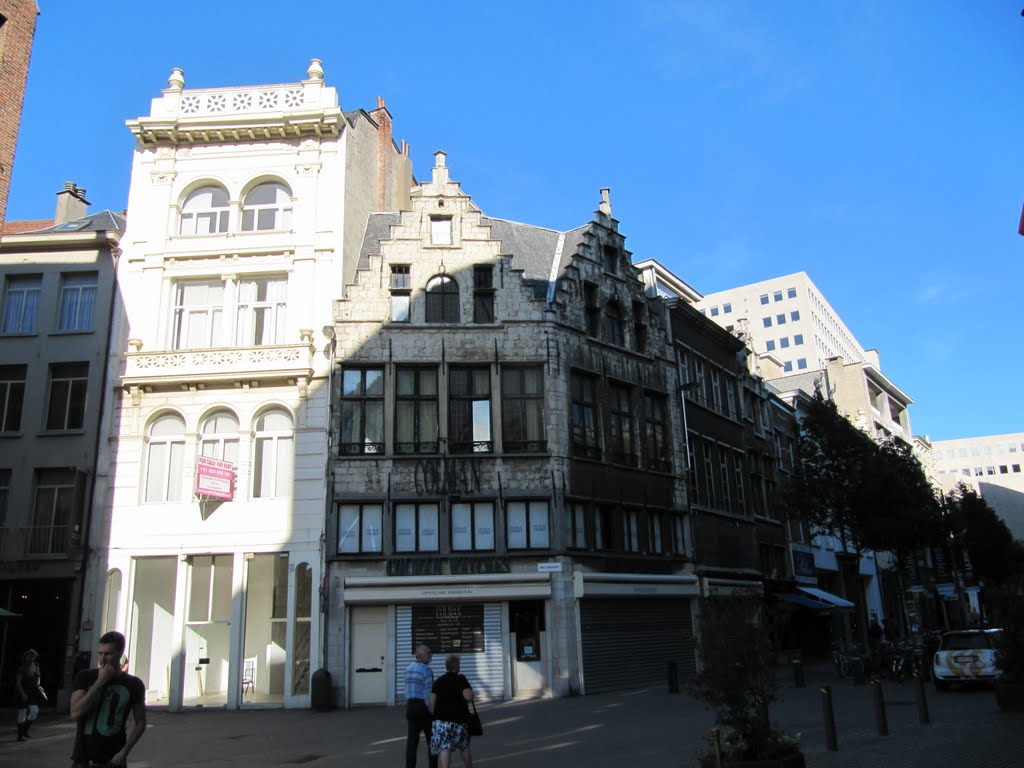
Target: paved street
x=650 y=727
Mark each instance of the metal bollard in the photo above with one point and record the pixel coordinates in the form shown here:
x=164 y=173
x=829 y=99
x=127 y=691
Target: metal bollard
x=831 y=742
x=798 y=673
x=673 y=677
x=879 y=699
x=922 y=700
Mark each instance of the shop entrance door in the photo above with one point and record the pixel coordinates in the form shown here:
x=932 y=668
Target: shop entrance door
x=266 y=629
x=526 y=625
x=208 y=631
x=368 y=672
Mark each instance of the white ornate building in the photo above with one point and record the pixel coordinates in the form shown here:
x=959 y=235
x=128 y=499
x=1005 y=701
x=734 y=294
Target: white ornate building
x=246 y=211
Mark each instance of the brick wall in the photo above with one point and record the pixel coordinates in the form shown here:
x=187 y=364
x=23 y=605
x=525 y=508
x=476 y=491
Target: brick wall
x=17 y=28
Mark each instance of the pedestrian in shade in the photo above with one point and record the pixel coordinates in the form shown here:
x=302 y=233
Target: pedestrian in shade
x=29 y=688
x=419 y=679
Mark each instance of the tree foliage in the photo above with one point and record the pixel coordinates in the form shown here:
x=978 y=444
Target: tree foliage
x=975 y=529
x=868 y=495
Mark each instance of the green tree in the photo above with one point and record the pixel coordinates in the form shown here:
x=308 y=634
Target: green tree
x=975 y=529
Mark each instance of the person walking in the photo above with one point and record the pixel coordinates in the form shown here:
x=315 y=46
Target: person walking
x=101 y=699
x=449 y=701
x=29 y=689
x=419 y=680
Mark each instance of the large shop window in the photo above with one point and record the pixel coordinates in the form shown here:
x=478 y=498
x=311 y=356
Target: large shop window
x=205 y=211
x=51 y=519
x=522 y=409
x=416 y=528
x=21 y=303
x=12 y=396
x=527 y=525
x=68 y=385
x=77 y=302
x=416 y=410
x=473 y=526
x=220 y=437
x=585 y=437
x=362 y=411
x=267 y=207
x=360 y=527
x=469 y=410
x=165 y=458
x=274 y=455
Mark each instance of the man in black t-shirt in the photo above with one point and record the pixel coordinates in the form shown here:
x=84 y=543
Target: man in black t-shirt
x=100 y=702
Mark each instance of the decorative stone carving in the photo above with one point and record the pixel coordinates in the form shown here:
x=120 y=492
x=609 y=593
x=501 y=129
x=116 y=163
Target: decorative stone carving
x=316 y=70
x=177 y=79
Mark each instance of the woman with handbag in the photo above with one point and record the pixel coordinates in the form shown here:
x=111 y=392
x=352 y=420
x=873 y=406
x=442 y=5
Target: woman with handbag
x=449 y=701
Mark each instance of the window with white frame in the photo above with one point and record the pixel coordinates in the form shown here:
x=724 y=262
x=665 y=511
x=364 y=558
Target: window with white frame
x=441 y=230
x=716 y=389
x=68 y=384
x=12 y=396
x=165 y=458
x=473 y=526
x=730 y=392
x=654 y=532
x=261 y=307
x=21 y=303
x=198 y=315
x=204 y=212
x=219 y=438
x=401 y=292
x=77 y=302
x=273 y=454
x=416 y=528
x=527 y=525
x=630 y=530
x=578 y=531
x=52 y=513
x=678 y=534
x=267 y=207
x=360 y=528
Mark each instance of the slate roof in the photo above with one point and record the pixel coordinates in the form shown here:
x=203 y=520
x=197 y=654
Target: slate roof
x=378 y=227
x=103 y=221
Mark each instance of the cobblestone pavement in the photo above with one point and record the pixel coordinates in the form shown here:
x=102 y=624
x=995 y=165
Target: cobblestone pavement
x=650 y=728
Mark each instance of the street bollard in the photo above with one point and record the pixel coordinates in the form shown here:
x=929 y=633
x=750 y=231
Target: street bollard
x=798 y=672
x=879 y=699
x=716 y=747
x=922 y=700
x=673 y=677
x=831 y=742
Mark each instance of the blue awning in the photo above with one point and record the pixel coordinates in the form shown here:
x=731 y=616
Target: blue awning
x=826 y=597
x=804 y=601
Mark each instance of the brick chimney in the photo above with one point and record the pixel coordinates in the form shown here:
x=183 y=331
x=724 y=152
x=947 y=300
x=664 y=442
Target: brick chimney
x=384 y=143
x=71 y=203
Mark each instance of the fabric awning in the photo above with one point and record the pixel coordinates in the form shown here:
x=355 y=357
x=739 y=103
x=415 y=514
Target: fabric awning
x=826 y=597
x=804 y=601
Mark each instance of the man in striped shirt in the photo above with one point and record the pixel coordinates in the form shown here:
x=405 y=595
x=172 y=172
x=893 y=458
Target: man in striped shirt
x=419 y=679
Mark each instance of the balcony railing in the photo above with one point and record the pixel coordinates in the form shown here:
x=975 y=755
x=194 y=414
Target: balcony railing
x=45 y=540
x=279 y=361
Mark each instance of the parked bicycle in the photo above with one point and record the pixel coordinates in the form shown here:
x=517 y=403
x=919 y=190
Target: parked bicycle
x=849 y=664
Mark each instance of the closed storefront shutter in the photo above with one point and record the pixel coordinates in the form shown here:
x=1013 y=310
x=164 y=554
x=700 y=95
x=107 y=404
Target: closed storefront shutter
x=485 y=671
x=628 y=642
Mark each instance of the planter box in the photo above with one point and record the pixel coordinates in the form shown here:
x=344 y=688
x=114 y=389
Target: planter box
x=793 y=761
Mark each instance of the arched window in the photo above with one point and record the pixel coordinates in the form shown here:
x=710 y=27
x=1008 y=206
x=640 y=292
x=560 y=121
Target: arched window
x=165 y=458
x=273 y=454
x=442 y=300
x=613 y=331
x=267 y=207
x=204 y=212
x=220 y=437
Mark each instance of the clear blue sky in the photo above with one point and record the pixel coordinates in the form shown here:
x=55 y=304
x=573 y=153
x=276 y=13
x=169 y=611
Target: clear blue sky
x=875 y=145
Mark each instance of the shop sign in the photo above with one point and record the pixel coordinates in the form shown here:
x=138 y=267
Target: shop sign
x=457 y=566
x=442 y=476
x=803 y=563
x=215 y=478
x=448 y=628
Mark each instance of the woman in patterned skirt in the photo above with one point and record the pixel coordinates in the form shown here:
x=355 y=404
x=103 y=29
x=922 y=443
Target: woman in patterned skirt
x=449 y=701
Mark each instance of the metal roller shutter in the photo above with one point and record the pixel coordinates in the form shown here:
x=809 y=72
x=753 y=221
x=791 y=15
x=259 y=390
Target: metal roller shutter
x=627 y=642
x=485 y=671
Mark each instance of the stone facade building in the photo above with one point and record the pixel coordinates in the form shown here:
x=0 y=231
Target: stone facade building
x=56 y=293
x=504 y=478
x=242 y=208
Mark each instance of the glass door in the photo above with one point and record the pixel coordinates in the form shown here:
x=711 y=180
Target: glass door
x=208 y=631
x=266 y=629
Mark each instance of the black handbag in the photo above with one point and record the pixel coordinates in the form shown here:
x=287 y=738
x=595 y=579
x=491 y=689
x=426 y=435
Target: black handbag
x=473 y=724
